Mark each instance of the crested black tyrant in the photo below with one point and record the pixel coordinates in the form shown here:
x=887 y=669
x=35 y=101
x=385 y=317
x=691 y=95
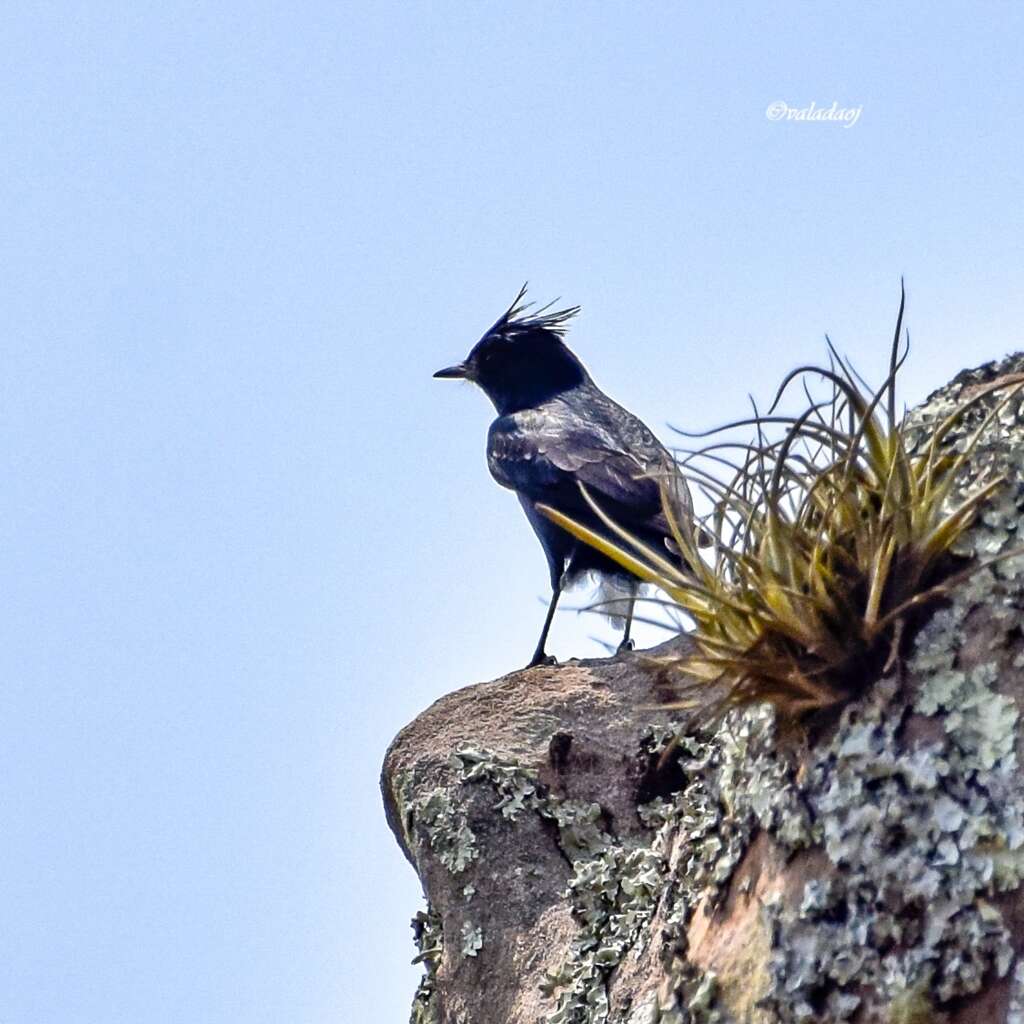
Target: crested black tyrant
x=556 y=430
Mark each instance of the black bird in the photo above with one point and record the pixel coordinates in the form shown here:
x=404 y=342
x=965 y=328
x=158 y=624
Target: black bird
x=555 y=430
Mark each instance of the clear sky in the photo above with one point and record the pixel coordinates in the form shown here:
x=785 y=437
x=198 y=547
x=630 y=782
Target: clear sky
x=245 y=537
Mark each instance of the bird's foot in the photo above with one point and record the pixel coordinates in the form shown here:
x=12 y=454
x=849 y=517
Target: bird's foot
x=626 y=645
x=540 y=658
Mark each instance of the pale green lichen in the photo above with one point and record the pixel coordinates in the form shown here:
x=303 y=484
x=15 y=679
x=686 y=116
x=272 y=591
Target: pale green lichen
x=613 y=891
x=403 y=792
x=688 y=996
x=449 y=834
x=921 y=839
x=428 y=935
x=612 y=888
x=580 y=835
x=516 y=785
x=472 y=939
x=612 y=895
x=736 y=784
x=981 y=722
x=1015 y=1009
x=733 y=785
x=906 y=909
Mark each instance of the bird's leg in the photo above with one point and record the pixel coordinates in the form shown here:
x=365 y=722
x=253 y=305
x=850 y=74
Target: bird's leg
x=627 y=644
x=539 y=657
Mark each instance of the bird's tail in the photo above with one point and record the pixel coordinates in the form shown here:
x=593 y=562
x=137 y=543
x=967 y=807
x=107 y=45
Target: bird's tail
x=615 y=594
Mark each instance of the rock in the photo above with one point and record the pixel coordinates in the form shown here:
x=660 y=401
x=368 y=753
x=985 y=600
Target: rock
x=869 y=873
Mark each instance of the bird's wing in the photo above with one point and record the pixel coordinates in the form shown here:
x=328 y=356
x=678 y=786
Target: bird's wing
x=544 y=452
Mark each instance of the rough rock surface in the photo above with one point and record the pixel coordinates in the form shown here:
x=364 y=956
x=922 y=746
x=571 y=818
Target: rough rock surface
x=870 y=873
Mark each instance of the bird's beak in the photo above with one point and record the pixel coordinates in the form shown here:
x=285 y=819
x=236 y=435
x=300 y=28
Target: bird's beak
x=460 y=371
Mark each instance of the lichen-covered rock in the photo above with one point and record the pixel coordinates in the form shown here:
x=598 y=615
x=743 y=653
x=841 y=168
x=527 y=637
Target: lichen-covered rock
x=869 y=872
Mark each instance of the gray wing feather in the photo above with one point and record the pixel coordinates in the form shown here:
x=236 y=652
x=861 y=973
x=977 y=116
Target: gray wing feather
x=542 y=452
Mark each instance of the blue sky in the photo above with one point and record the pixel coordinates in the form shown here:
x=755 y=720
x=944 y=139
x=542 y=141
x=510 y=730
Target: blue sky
x=245 y=537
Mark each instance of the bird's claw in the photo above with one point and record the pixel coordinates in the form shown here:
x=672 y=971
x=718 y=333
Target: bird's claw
x=542 y=659
x=626 y=645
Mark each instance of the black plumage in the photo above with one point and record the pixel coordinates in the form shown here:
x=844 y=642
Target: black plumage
x=556 y=430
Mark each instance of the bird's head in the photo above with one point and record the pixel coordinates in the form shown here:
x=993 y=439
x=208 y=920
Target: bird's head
x=522 y=360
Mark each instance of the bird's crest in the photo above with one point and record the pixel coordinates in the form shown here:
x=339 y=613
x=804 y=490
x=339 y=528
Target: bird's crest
x=517 y=320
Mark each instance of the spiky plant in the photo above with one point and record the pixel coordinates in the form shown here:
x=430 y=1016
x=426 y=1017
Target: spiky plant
x=826 y=540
